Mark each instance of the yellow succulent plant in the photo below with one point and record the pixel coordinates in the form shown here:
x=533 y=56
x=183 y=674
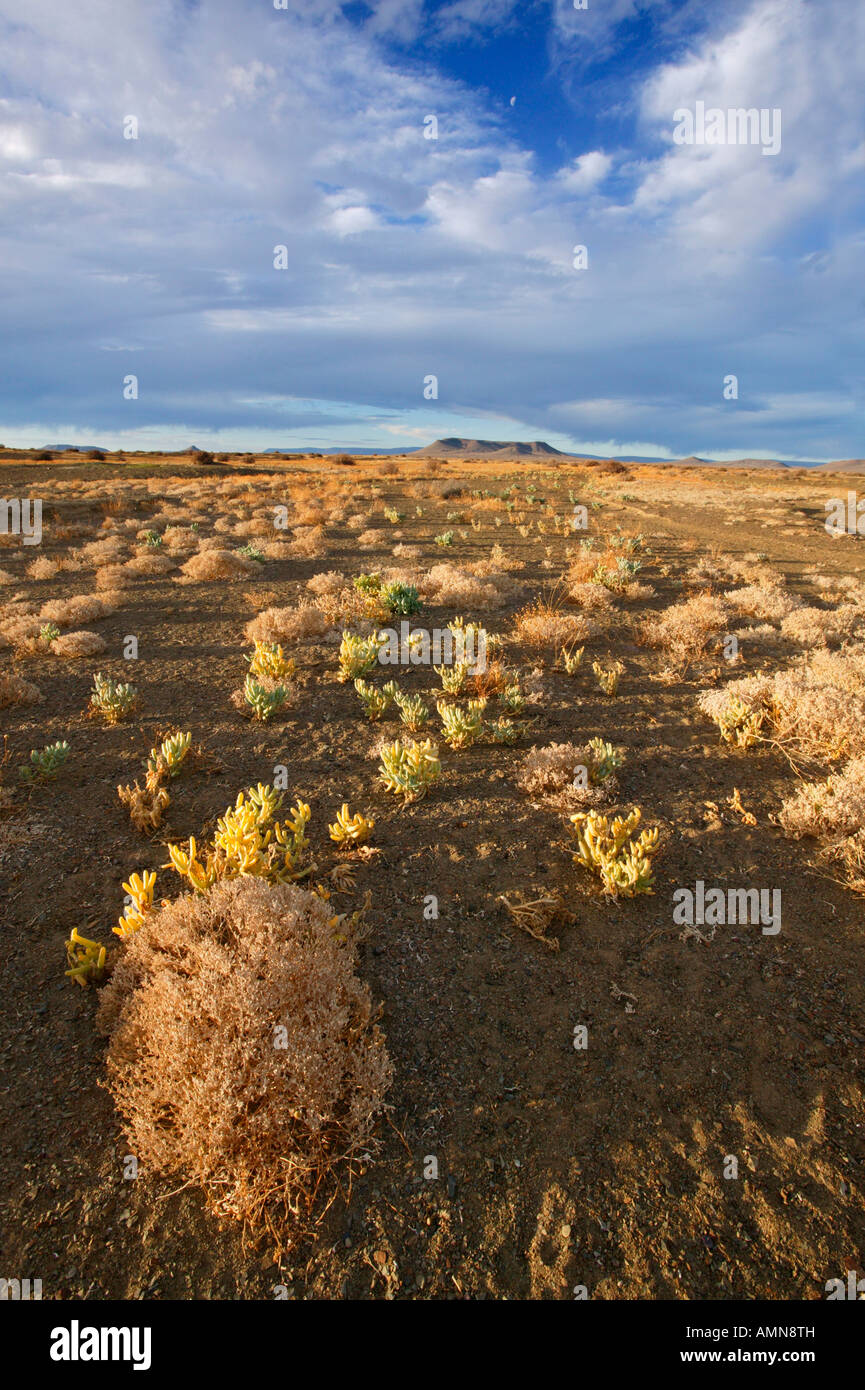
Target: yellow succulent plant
x=348 y=829
x=140 y=889
x=249 y=841
x=86 y=958
x=623 y=864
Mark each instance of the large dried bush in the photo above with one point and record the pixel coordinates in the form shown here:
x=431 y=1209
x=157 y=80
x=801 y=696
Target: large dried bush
x=243 y=1055
x=286 y=624
x=815 y=709
x=82 y=643
x=833 y=812
x=209 y=565
x=450 y=584
x=684 y=630
x=81 y=608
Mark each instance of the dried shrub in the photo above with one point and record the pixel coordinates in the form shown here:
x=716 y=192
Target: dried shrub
x=449 y=584
x=286 y=624
x=243 y=1055
x=210 y=565
x=590 y=596
x=16 y=691
x=329 y=582
x=81 y=643
x=544 y=624
x=564 y=774
x=765 y=602
x=832 y=809
x=112 y=577
x=368 y=540
x=180 y=538
x=684 y=630
x=308 y=543
x=43 y=568
x=817 y=627
x=17 y=629
x=815 y=709
x=82 y=608
x=548 y=770
x=101 y=552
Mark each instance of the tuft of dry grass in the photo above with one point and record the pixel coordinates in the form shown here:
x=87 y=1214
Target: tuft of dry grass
x=243 y=1054
x=545 y=624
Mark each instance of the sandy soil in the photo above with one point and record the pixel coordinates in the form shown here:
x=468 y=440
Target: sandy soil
x=557 y=1167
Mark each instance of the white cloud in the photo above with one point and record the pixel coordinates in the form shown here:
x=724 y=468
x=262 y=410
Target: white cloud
x=586 y=172
x=410 y=256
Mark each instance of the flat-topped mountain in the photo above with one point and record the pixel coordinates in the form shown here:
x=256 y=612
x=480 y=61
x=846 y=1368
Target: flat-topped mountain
x=483 y=448
x=508 y=450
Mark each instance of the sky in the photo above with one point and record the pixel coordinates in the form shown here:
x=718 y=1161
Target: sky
x=154 y=155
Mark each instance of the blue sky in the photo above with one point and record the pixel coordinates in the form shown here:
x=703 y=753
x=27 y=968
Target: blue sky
x=409 y=257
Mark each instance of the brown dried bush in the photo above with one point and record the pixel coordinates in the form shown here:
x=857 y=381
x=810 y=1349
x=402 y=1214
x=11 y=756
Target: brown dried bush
x=816 y=627
x=17 y=629
x=308 y=544
x=328 y=582
x=209 y=565
x=82 y=643
x=43 y=568
x=370 y=539
x=243 y=1054
x=551 y=774
x=145 y=804
x=286 y=624
x=81 y=608
x=684 y=630
x=544 y=624
x=815 y=709
x=112 y=577
x=16 y=691
x=765 y=602
x=833 y=811
x=450 y=584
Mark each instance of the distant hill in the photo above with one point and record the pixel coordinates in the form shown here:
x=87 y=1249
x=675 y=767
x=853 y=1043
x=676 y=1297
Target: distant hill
x=488 y=448
x=75 y=448
x=694 y=462
x=509 y=450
